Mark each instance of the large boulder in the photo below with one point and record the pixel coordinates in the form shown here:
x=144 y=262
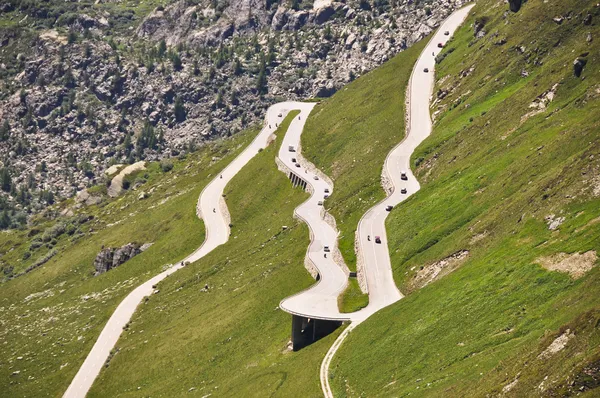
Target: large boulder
x=279 y=19
x=110 y=258
x=515 y=5
x=578 y=66
x=323 y=14
x=125 y=253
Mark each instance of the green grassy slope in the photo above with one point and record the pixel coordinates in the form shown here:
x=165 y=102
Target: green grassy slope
x=349 y=135
x=51 y=316
x=491 y=174
x=231 y=340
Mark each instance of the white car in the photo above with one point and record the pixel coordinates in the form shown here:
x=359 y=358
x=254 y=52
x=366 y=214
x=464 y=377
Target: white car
x=403 y=175
x=316 y=177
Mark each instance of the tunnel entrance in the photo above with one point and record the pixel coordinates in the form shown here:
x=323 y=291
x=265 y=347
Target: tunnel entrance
x=306 y=331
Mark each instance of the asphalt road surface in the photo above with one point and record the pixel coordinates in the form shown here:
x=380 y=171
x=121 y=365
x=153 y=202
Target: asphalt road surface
x=320 y=300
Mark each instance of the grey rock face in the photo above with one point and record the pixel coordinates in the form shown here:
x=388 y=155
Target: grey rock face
x=87 y=97
x=515 y=5
x=578 y=66
x=110 y=258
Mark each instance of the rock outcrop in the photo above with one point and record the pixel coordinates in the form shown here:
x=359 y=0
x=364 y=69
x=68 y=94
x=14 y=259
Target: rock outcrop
x=110 y=258
x=515 y=5
x=190 y=72
x=578 y=66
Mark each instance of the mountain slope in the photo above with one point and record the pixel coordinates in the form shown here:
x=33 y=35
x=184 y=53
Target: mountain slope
x=509 y=193
x=52 y=315
x=231 y=339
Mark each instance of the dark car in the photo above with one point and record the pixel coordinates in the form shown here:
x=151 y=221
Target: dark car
x=403 y=175
x=297 y=164
x=446 y=33
x=426 y=70
x=440 y=45
x=389 y=208
x=293 y=160
x=377 y=239
x=326 y=249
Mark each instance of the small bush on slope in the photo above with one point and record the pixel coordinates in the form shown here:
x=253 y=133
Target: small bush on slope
x=230 y=340
x=493 y=174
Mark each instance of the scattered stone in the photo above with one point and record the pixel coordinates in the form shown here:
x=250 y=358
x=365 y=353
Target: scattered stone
x=84 y=197
x=554 y=222
x=557 y=345
x=146 y=246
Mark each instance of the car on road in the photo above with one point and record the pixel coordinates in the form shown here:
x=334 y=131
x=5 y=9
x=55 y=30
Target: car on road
x=440 y=45
x=291 y=148
x=446 y=33
x=316 y=177
x=326 y=190
x=378 y=239
x=403 y=190
x=297 y=164
x=325 y=197
x=389 y=208
x=426 y=70
x=326 y=249
x=280 y=115
x=293 y=160
x=320 y=203
x=403 y=175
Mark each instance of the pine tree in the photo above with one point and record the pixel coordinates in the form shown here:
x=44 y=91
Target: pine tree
x=127 y=146
x=179 y=110
x=4 y=220
x=261 y=81
x=162 y=48
x=237 y=67
x=176 y=60
x=5 y=131
x=5 y=180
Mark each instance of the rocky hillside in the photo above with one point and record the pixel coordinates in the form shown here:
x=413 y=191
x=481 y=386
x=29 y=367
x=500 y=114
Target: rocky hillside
x=87 y=87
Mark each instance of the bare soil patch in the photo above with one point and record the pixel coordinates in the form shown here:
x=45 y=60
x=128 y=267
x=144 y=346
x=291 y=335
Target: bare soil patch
x=437 y=270
x=576 y=264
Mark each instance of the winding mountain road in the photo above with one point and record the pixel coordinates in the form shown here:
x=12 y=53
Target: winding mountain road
x=377 y=266
x=217 y=233
x=320 y=300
